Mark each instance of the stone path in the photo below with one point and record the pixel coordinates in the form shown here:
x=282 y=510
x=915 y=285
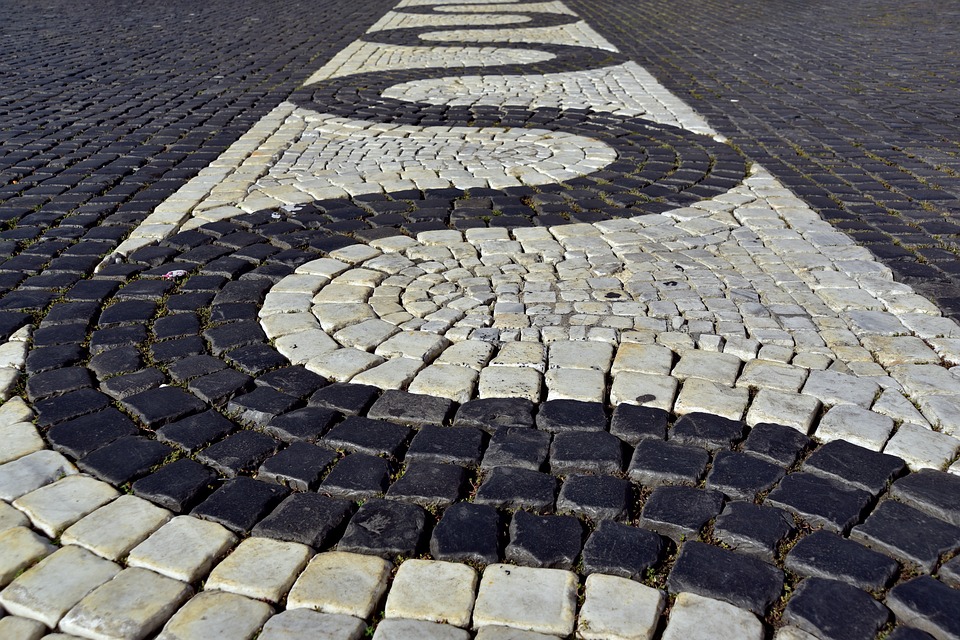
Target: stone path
x=480 y=332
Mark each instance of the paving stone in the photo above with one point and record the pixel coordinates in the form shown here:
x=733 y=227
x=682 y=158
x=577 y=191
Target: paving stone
x=295 y=624
x=114 y=529
x=617 y=608
x=585 y=452
x=467 y=533
x=700 y=396
x=656 y=462
x=621 y=550
x=261 y=405
x=721 y=368
x=644 y=389
x=385 y=528
x=177 y=486
x=194 y=432
x=826 y=555
x=194 y=366
x=949 y=572
x=241 y=503
x=777 y=443
x=833 y=610
x=517 y=447
x=835 y=388
x=706 y=430
x=298 y=467
x=491 y=414
x=357 y=476
x=213 y=613
x=510 y=382
x=820 y=501
x=632 y=423
x=21 y=628
x=462 y=446
x=81 y=436
x=517 y=488
x=70 y=405
x=348 y=399
x=49 y=589
x=934 y=492
x=398 y=629
x=432 y=591
x=767 y=374
x=643 y=358
x=20 y=438
x=779 y=407
x=56 y=506
x=864 y=428
x=219 y=387
x=57 y=382
x=855 y=465
x=753 y=529
x=927 y=604
x=341 y=583
x=157 y=407
x=124 y=459
x=695 y=617
x=124 y=386
x=428 y=484
x=11 y=517
x=20 y=548
x=539 y=600
x=239 y=452
x=364 y=435
x=680 y=512
x=306 y=424
x=571 y=415
x=183 y=549
x=741 y=475
x=31 y=472
x=907 y=534
x=552 y=542
x=921 y=447
x=134 y=604
x=260 y=568
x=306 y=518
x=411 y=409
x=595 y=497
x=496 y=632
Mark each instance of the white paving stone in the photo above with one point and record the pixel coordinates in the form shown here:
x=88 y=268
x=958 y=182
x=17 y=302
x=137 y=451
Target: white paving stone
x=456 y=382
x=586 y=385
x=645 y=389
x=306 y=624
x=17 y=628
x=922 y=447
x=943 y=412
x=341 y=583
x=343 y=364
x=20 y=548
x=833 y=388
x=922 y=380
x=767 y=374
x=721 y=368
x=433 y=591
x=510 y=382
x=19 y=439
x=619 y=609
x=892 y=403
x=541 y=600
x=700 y=395
x=399 y=629
x=396 y=373
x=260 y=568
x=643 y=358
x=595 y=356
x=780 y=407
x=183 y=549
x=495 y=632
x=31 y=472
x=694 y=617
x=853 y=424
x=305 y=346
x=11 y=517
x=114 y=529
x=56 y=506
x=217 y=615
x=133 y=605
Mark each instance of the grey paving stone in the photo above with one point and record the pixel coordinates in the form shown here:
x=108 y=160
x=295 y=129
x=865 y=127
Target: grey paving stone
x=585 y=452
x=835 y=610
x=212 y=613
x=820 y=501
x=631 y=423
x=753 y=529
x=927 y=604
x=949 y=572
x=517 y=447
x=429 y=484
x=411 y=409
x=306 y=424
x=364 y=435
x=656 y=462
x=621 y=550
x=776 y=443
x=157 y=407
x=462 y=446
x=707 y=430
x=857 y=466
x=826 y=555
x=125 y=459
x=220 y=386
x=467 y=533
x=556 y=416
x=741 y=580
x=357 y=476
x=550 y=542
x=492 y=414
x=680 y=512
x=348 y=399
x=909 y=633
x=177 y=486
x=126 y=385
x=384 y=528
x=70 y=405
x=907 y=534
x=307 y=518
x=81 y=436
x=742 y=475
x=241 y=503
x=595 y=497
x=934 y=492
x=261 y=405
x=299 y=466
x=516 y=488
x=297 y=624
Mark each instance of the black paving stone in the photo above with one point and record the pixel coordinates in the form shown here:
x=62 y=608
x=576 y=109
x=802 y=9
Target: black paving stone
x=194 y=366
x=157 y=407
x=855 y=465
x=219 y=387
x=516 y=488
x=128 y=384
x=261 y=405
x=927 y=604
x=706 y=430
x=826 y=555
x=363 y=435
x=549 y=542
x=177 y=486
x=144 y=290
x=293 y=381
x=429 y=485
x=934 y=492
x=950 y=572
x=656 y=462
x=777 y=443
x=411 y=409
x=621 y=550
x=124 y=459
x=741 y=475
x=631 y=423
x=595 y=497
x=907 y=534
x=299 y=467
x=820 y=501
x=176 y=326
x=491 y=414
x=467 y=533
x=909 y=633
x=115 y=362
x=239 y=452
x=517 y=447
x=348 y=399
x=76 y=438
x=357 y=476
x=835 y=610
x=462 y=446
x=172 y=350
x=753 y=529
x=105 y=339
x=197 y=431
x=127 y=312
x=70 y=313
x=69 y=405
x=62 y=334
x=739 y=579
x=571 y=415
x=54 y=383
x=230 y=336
x=241 y=503
x=256 y=359
x=306 y=424
x=585 y=452
x=680 y=512
x=306 y=518
x=384 y=528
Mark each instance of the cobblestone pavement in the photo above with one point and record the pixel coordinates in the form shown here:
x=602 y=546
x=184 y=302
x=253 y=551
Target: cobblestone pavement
x=462 y=327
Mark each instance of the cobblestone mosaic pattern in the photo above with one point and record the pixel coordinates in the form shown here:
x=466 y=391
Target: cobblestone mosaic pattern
x=544 y=337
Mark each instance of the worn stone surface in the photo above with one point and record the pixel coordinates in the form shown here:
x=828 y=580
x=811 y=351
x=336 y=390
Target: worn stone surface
x=213 y=613
x=835 y=610
x=433 y=591
x=695 y=617
x=540 y=600
x=341 y=583
x=618 y=608
x=184 y=548
x=260 y=568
